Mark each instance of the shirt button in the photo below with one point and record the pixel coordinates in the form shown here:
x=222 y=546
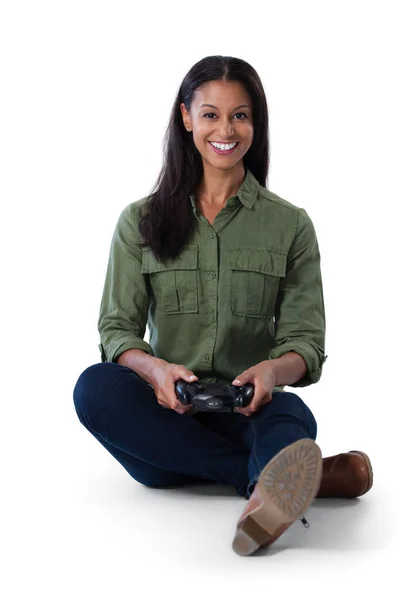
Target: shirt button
x=206 y=357
x=212 y=235
x=212 y=316
x=209 y=378
x=213 y=275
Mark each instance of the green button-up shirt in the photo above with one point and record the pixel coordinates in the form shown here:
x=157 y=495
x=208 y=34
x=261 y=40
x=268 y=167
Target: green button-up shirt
x=246 y=289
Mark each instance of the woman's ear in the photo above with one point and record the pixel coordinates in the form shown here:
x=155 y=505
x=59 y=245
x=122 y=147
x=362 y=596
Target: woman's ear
x=185 y=117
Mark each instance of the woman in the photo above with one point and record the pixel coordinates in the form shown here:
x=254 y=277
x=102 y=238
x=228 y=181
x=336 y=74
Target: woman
x=227 y=275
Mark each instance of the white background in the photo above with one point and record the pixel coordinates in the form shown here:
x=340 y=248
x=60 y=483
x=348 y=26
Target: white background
x=87 y=89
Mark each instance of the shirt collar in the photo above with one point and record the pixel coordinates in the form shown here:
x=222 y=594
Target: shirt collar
x=247 y=193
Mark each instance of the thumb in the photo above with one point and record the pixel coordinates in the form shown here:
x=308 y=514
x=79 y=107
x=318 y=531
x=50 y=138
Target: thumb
x=240 y=380
x=189 y=375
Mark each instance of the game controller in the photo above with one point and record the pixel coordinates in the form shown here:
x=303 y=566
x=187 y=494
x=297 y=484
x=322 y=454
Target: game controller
x=214 y=397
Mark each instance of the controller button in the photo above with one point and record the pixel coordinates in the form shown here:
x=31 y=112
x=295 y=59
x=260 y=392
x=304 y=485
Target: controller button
x=214 y=403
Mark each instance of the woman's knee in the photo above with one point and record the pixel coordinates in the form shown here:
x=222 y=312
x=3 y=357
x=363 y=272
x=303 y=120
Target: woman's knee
x=106 y=388
x=84 y=392
x=92 y=388
x=291 y=405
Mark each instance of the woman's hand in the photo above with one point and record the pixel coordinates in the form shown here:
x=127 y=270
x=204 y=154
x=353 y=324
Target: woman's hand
x=163 y=379
x=262 y=376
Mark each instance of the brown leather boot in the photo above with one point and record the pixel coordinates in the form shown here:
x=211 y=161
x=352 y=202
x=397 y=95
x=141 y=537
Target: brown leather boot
x=346 y=475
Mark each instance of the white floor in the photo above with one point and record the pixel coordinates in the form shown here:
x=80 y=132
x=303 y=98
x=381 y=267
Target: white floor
x=78 y=526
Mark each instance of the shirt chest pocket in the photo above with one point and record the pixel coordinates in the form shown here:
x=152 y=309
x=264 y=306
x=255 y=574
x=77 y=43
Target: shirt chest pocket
x=255 y=274
x=174 y=283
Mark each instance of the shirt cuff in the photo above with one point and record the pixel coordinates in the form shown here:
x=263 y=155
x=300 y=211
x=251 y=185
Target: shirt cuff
x=111 y=353
x=310 y=356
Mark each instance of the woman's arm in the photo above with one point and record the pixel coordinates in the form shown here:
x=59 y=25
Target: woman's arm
x=300 y=311
x=124 y=304
x=288 y=368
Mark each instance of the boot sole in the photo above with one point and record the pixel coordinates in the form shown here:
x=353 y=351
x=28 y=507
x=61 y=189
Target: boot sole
x=369 y=468
x=288 y=484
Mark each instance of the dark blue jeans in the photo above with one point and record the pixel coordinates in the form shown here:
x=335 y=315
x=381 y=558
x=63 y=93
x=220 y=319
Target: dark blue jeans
x=160 y=447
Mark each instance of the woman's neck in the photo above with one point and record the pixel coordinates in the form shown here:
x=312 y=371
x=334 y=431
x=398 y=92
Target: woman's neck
x=216 y=187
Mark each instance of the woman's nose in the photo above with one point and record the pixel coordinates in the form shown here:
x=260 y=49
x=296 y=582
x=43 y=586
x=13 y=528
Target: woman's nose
x=226 y=130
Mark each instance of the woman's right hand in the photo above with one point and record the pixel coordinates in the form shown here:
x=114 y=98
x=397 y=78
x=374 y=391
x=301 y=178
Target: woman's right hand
x=163 y=380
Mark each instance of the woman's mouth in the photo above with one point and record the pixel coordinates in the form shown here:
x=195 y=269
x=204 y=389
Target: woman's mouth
x=219 y=151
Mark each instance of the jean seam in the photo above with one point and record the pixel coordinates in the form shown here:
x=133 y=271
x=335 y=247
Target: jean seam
x=254 y=446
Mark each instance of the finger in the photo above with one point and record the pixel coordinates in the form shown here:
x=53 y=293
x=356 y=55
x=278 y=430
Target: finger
x=245 y=410
x=248 y=413
x=179 y=407
x=188 y=375
x=250 y=408
x=241 y=412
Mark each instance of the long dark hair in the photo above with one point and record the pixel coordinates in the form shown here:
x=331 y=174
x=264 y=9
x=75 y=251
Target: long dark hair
x=169 y=222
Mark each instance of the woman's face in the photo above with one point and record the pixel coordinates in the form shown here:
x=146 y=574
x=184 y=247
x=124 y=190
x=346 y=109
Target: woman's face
x=228 y=120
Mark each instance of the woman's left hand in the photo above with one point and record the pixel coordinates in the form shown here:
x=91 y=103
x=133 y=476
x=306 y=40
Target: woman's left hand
x=262 y=376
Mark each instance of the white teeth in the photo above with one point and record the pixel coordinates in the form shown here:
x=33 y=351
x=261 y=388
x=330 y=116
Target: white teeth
x=224 y=146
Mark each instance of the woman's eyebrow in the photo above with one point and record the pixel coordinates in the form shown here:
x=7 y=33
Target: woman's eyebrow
x=212 y=106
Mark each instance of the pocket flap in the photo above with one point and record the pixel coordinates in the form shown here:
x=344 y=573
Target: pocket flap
x=187 y=260
x=262 y=260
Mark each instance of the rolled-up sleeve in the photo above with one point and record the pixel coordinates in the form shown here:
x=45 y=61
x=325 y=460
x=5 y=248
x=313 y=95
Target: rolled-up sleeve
x=124 y=304
x=300 y=310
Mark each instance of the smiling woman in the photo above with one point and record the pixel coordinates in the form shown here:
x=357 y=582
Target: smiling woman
x=227 y=275
x=225 y=133
x=220 y=102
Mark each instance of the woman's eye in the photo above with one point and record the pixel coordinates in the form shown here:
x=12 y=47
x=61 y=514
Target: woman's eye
x=244 y=115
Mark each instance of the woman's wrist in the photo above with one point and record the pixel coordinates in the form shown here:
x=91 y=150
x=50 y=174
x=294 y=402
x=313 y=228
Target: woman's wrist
x=143 y=363
x=288 y=368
